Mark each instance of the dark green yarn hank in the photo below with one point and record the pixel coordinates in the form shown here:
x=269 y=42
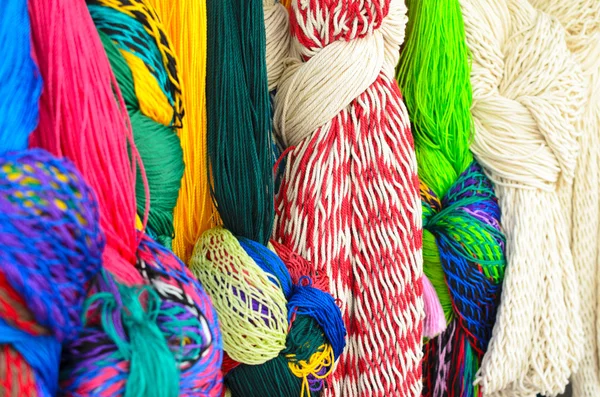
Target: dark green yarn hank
x=160 y=150
x=274 y=378
x=238 y=118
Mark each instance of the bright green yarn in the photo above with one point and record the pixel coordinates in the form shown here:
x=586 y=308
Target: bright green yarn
x=238 y=118
x=439 y=108
x=160 y=150
x=438 y=104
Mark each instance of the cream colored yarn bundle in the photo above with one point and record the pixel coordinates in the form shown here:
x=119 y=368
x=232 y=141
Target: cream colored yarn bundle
x=277 y=27
x=528 y=96
x=581 y=19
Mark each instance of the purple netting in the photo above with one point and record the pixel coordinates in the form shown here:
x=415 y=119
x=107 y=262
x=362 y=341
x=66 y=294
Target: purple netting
x=50 y=239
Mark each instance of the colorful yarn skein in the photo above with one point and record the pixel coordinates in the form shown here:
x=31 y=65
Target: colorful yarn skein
x=463 y=241
x=281 y=339
x=170 y=347
x=50 y=240
x=146 y=70
x=185 y=23
x=129 y=325
x=348 y=201
x=91 y=131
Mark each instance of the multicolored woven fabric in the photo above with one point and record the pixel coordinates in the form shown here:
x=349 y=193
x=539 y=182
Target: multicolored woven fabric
x=42 y=196
x=466 y=225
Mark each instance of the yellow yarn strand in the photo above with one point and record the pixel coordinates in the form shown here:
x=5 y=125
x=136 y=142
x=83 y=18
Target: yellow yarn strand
x=153 y=102
x=302 y=369
x=185 y=23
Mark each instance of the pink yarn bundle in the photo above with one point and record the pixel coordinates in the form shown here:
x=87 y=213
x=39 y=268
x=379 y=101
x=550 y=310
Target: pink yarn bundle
x=80 y=120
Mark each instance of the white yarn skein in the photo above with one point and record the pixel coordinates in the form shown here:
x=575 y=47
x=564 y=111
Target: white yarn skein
x=528 y=93
x=581 y=19
x=277 y=27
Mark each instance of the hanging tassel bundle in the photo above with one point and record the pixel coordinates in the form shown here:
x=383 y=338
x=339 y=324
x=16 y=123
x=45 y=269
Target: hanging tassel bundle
x=172 y=323
x=348 y=201
x=581 y=20
x=159 y=339
x=185 y=24
x=528 y=96
x=146 y=70
x=50 y=241
x=460 y=210
x=281 y=338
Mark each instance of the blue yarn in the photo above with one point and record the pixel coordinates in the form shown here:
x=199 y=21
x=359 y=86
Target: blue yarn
x=268 y=261
x=41 y=352
x=321 y=306
x=20 y=79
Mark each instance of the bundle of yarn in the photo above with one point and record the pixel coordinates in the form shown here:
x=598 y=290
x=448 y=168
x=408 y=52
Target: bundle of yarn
x=149 y=327
x=50 y=239
x=528 y=97
x=348 y=201
x=581 y=20
x=146 y=69
x=92 y=131
x=282 y=338
x=158 y=339
x=186 y=25
x=463 y=245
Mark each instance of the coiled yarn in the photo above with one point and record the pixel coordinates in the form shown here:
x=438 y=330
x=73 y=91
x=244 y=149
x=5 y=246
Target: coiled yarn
x=528 y=96
x=348 y=201
x=95 y=133
x=51 y=246
x=147 y=72
x=50 y=240
x=159 y=339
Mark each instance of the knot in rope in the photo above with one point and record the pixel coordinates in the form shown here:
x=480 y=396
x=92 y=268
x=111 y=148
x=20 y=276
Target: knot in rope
x=528 y=94
x=160 y=338
x=354 y=45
